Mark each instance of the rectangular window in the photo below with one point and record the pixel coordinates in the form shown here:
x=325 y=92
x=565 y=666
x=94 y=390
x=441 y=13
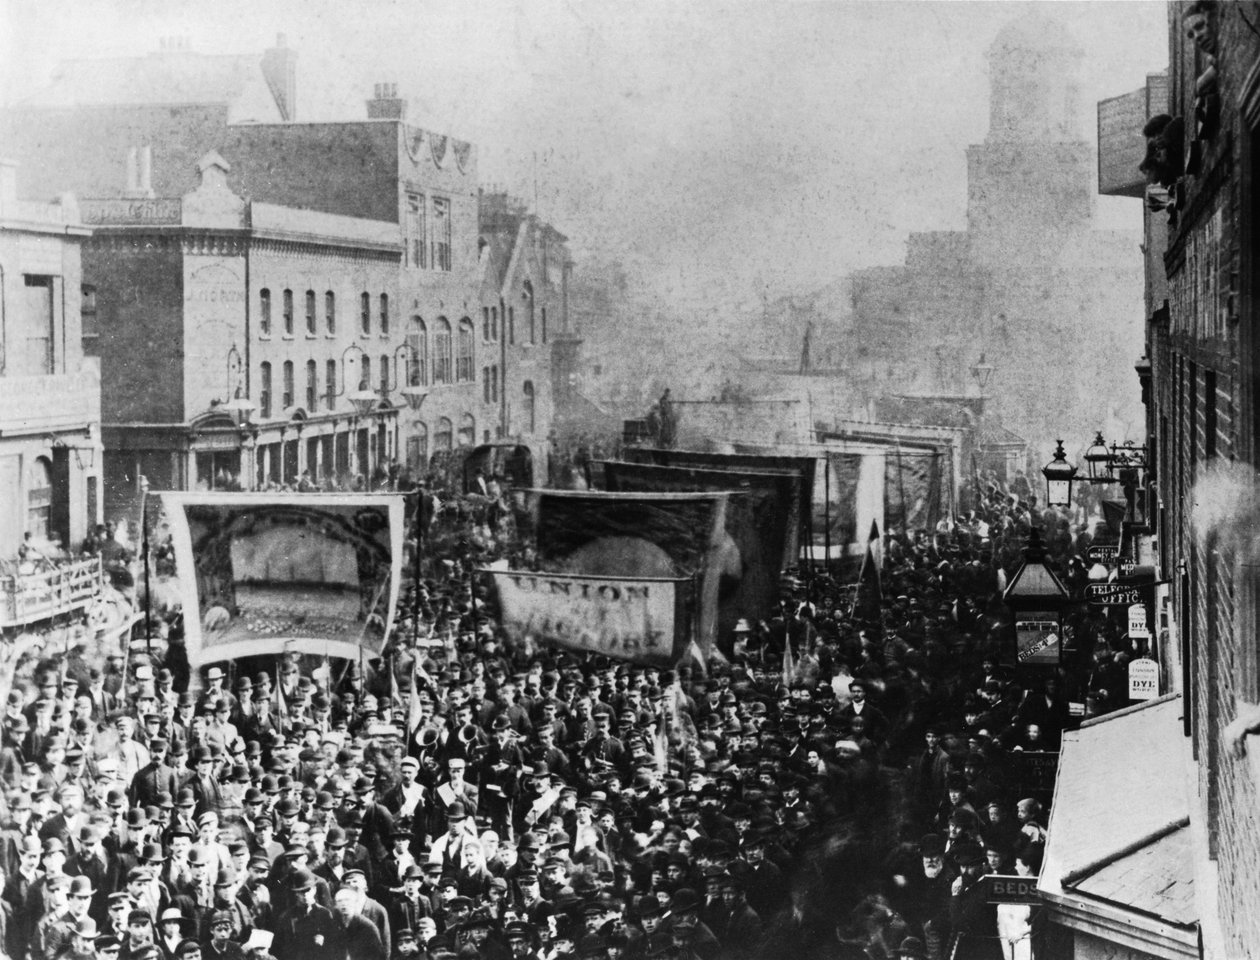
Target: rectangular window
x=330 y=384
x=264 y=393
x=494 y=323
x=330 y=313
x=384 y=375
x=485 y=323
x=312 y=387
x=544 y=324
x=311 y=321
x=384 y=315
x=415 y=241
x=485 y=384
x=288 y=384
x=87 y=312
x=264 y=312
x=441 y=234
x=365 y=313
x=288 y=313
x=417 y=360
x=365 y=374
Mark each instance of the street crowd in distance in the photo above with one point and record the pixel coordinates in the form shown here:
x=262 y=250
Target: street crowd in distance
x=833 y=783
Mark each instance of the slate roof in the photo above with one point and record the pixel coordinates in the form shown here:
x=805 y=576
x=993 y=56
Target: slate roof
x=1155 y=879
x=1117 y=829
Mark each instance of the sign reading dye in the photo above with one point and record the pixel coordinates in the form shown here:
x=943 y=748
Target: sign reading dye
x=630 y=619
x=1143 y=679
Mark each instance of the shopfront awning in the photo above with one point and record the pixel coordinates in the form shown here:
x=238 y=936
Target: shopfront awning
x=1118 y=863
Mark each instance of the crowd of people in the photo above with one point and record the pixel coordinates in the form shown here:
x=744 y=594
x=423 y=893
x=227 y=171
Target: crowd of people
x=827 y=784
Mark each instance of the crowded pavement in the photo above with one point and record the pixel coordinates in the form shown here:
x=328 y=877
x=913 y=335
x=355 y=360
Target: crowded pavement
x=834 y=781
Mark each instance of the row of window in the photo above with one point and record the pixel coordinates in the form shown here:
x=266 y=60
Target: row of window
x=427 y=237
x=368 y=307
x=536 y=321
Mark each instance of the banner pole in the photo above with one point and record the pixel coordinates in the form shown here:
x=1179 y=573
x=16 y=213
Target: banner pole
x=148 y=586
x=826 y=516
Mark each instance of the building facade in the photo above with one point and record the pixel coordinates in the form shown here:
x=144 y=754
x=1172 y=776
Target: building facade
x=432 y=324
x=50 y=393
x=232 y=335
x=1197 y=142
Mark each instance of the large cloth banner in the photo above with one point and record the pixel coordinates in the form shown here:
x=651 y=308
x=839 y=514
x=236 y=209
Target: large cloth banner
x=265 y=572
x=912 y=488
x=801 y=468
x=757 y=520
x=642 y=620
x=637 y=536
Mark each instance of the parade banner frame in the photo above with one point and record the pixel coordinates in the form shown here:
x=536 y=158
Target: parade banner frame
x=615 y=617
x=368 y=524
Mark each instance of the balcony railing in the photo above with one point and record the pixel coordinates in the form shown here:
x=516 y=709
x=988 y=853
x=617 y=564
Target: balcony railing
x=31 y=597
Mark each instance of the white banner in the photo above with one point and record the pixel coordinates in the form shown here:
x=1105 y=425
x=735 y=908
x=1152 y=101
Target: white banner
x=630 y=619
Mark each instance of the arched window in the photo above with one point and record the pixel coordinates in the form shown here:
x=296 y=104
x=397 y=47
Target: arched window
x=467 y=430
x=365 y=313
x=418 y=355
x=529 y=406
x=527 y=295
x=311 y=321
x=39 y=497
x=464 y=352
x=330 y=312
x=330 y=385
x=264 y=392
x=365 y=374
x=312 y=387
x=384 y=375
x=442 y=352
x=288 y=313
x=485 y=323
x=494 y=323
x=288 y=385
x=418 y=446
x=264 y=312
x=384 y=314
x=443 y=437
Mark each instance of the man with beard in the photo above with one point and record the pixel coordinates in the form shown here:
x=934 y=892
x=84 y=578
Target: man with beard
x=928 y=894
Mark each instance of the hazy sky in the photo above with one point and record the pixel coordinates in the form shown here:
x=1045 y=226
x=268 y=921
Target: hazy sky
x=719 y=148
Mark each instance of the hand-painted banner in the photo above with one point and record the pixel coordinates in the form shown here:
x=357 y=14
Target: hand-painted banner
x=801 y=468
x=642 y=620
x=264 y=572
x=636 y=535
x=757 y=520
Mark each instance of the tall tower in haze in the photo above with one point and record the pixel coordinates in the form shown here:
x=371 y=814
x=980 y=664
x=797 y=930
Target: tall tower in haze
x=1033 y=172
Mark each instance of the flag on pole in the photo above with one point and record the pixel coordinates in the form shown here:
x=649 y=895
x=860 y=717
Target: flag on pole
x=870 y=591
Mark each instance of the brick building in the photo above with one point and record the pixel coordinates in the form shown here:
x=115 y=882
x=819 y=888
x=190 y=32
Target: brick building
x=50 y=393
x=1197 y=133
x=233 y=336
x=154 y=118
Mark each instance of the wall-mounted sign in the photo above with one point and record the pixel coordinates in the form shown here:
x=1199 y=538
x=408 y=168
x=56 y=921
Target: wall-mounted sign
x=1103 y=553
x=1126 y=567
x=1113 y=594
x=1143 y=679
x=1137 y=622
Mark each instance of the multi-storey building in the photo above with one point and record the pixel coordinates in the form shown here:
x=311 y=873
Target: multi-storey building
x=50 y=394
x=1196 y=137
x=237 y=340
x=154 y=118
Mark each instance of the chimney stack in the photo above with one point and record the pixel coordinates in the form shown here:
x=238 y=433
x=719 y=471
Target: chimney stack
x=279 y=67
x=385 y=104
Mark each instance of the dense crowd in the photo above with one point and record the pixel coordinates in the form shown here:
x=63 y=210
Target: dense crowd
x=833 y=782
